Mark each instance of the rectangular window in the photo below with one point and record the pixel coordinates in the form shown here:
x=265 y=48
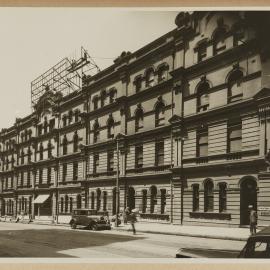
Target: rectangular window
x=40 y=176
x=75 y=170
x=64 y=174
x=22 y=178
x=160 y=153
x=202 y=143
x=195 y=198
x=110 y=161
x=28 y=179
x=49 y=175
x=202 y=52
x=96 y=163
x=39 y=130
x=139 y=156
x=222 y=197
x=234 y=136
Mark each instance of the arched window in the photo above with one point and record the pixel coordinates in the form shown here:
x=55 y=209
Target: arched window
x=75 y=142
x=104 y=200
x=96 y=131
x=153 y=198
x=222 y=197
x=102 y=98
x=162 y=201
x=138 y=119
x=22 y=157
x=64 y=145
x=235 y=90
x=219 y=40
x=196 y=198
x=98 y=199
x=138 y=83
x=131 y=198
x=162 y=73
x=150 y=78
x=95 y=102
x=66 y=203
x=208 y=196
x=79 y=201
x=159 y=114
x=92 y=200
x=144 y=200
x=202 y=96
x=49 y=149
x=70 y=204
x=110 y=130
x=41 y=151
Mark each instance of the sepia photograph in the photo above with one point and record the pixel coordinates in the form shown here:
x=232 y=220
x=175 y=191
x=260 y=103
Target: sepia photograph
x=134 y=133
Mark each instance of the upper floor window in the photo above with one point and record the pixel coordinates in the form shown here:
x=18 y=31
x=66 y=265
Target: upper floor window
x=110 y=125
x=22 y=157
x=41 y=151
x=234 y=136
x=112 y=95
x=202 y=143
x=96 y=132
x=162 y=73
x=29 y=155
x=12 y=162
x=45 y=125
x=64 y=172
x=235 y=90
x=159 y=153
x=40 y=176
x=65 y=143
x=75 y=170
x=52 y=124
x=76 y=115
x=219 y=37
x=150 y=78
x=202 y=51
x=95 y=102
x=64 y=119
x=96 y=163
x=7 y=163
x=102 y=98
x=39 y=130
x=139 y=156
x=138 y=84
x=70 y=116
x=196 y=197
x=208 y=196
x=22 y=137
x=49 y=149
x=202 y=95
x=138 y=119
x=160 y=114
x=238 y=33
x=75 y=142
x=222 y=197
x=110 y=161
x=49 y=175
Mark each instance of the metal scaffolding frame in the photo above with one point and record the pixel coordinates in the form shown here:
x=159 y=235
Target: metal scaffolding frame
x=65 y=76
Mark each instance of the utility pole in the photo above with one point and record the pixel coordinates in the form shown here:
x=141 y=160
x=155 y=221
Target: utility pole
x=117 y=182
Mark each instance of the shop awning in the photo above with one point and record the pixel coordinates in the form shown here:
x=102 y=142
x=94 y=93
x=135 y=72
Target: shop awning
x=41 y=198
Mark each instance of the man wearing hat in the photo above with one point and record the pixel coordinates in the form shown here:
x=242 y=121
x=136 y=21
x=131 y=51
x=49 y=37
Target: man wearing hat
x=252 y=219
x=133 y=219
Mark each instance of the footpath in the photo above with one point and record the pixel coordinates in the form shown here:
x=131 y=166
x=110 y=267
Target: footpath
x=239 y=234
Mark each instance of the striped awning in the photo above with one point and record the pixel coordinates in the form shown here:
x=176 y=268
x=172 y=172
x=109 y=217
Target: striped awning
x=41 y=198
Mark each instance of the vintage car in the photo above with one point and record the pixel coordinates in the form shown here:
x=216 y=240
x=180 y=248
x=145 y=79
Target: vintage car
x=257 y=246
x=90 y=218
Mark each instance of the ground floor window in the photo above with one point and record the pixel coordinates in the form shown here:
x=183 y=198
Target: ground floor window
x=104 y=200
x=222 y=197
x=208 y=196
x=144 y=200
x=196 y=198
x=162 y=201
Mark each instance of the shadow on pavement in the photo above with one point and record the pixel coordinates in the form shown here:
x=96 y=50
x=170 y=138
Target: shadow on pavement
x=46 y=243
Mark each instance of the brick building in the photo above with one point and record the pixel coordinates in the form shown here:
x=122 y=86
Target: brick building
x=192 y=112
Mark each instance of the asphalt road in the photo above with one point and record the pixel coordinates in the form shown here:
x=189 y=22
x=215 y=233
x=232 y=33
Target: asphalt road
x=39 y=241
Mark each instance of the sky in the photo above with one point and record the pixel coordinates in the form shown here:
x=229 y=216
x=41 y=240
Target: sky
x=32 y=40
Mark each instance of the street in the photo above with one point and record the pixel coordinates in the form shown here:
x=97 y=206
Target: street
x=39 y=241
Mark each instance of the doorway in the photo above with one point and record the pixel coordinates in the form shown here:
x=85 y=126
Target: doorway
x=248 y=196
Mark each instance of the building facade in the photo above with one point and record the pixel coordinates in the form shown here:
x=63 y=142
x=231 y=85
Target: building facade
x=189 y=115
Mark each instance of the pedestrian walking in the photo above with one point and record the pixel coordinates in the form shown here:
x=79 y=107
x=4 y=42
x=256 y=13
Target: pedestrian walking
x=133 y=219
x=253 y=217
x=126 y=214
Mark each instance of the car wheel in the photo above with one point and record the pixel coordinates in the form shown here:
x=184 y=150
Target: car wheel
x=94 y=228
x=73 y=225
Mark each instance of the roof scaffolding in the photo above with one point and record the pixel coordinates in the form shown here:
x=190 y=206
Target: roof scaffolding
x=65 y=77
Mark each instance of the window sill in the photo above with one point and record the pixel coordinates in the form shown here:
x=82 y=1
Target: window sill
x=210 y=215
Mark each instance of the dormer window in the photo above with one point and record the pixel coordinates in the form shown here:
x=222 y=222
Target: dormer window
x=150 y=78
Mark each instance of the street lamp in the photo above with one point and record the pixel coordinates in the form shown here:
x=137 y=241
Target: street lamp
x=118 y=137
